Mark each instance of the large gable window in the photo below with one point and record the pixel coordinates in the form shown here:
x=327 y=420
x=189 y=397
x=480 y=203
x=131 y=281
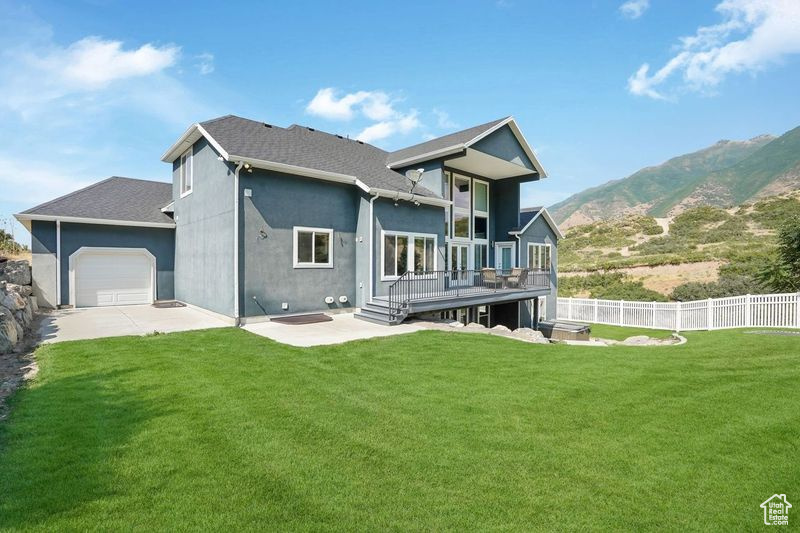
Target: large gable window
x=539 y=256
x=313 y=247
x=186 y=172
x=407 y=252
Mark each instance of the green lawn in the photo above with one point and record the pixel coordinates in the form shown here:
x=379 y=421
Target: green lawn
x=618 y=333
x=221 y=429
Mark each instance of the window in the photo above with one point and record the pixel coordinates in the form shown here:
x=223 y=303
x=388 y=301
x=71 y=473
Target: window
x=481 y=256
x=186 y=172
x=480 y=221
x=539 y=256
x=481 y=227
x=461 y=191
x=313 y=247
x=481 y=196
x=462 y=202
x=461 y=225
x=408 y=253
x=447 y=209
x=424 y=254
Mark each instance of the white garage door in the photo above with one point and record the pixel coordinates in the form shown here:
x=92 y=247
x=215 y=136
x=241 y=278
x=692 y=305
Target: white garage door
x=111 y=277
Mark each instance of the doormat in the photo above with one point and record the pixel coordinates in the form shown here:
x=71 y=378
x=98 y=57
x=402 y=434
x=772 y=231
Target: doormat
x=302 y=319
x=167 y=304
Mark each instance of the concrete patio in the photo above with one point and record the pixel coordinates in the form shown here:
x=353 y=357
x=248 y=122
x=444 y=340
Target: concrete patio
x=342 y=328
x=96 y=322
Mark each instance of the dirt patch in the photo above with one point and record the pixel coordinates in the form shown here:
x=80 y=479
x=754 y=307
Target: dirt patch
x=664 y=278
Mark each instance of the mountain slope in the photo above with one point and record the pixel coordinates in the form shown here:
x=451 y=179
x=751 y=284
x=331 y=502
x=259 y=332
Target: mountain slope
x=727 y=173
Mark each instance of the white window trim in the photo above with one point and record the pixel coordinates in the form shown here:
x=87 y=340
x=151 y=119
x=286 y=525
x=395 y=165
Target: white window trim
x=540 y=245
x=477 y=213
x=182 y=176
x=409 y=256
x=295 y=232
x=461 y=210
x=498 y=256
x=73 y=259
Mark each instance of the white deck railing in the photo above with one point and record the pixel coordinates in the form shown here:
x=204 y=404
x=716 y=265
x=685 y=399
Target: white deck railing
x=750 y=310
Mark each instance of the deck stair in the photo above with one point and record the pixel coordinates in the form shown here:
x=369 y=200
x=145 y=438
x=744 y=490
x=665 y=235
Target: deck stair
x=379 y=312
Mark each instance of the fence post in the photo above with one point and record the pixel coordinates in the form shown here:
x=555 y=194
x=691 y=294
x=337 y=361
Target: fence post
x=797 y=311
x=596 y=304
x=678 y=316
x=622 y=312
x=569 y=308
x=709 y=315
x=747 y=319
x=653 y=304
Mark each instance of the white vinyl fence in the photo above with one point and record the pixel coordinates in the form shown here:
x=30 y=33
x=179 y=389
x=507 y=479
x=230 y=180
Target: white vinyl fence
x=763 y=310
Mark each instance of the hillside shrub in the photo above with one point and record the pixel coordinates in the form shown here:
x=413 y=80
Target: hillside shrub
x=608 y=285
x=732 y=285
x=783 y=275
x=8 y=246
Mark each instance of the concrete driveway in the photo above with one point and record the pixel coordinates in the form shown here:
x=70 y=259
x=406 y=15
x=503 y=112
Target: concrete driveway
x=343 y=328
x=96 y=322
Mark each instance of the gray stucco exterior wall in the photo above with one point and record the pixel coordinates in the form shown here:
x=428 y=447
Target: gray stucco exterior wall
x=158 y=241
x=278 y=204
x=43 y=262
x=405 y=218
x=540 y=232
x=503 y=144
x=504 y=209
x=204 y=233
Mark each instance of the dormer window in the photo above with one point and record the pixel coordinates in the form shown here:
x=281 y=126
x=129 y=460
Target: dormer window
x=186 y=172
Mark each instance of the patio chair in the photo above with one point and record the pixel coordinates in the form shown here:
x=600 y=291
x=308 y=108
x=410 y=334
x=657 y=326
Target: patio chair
x=490 y=278
x=518 y=277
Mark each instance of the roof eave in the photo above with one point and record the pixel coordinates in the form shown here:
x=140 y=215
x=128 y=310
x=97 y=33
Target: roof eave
x=550 y=222
x=442 y=152
x=189 y=137
x=26 y=218
x=529 y=151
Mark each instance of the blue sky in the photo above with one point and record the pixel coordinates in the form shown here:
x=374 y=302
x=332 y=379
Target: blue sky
x=600 y=88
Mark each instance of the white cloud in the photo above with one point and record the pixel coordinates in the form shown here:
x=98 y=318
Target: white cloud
x=93 y=62
x=443 y=119
x=375 y=105
x=386 y=128
x=752 y=35
x=81 y=71
x=205 y=63
x=633 y=9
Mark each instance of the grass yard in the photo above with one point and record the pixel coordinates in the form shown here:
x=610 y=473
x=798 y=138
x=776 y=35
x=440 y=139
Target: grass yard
x=617 y=333
x=221 y=429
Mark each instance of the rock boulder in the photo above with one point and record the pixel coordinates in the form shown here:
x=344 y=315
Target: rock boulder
x=16 y=272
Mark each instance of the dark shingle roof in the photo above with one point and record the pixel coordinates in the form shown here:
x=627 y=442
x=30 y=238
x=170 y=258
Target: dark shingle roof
x=114 y=198
x=308 y=148
x=440 y=143
x=526 y=214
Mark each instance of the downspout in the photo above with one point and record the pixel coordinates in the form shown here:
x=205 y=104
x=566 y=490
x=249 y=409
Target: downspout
x=519 y=264
x=58 y=263
x=236 y=319
x=371 y=243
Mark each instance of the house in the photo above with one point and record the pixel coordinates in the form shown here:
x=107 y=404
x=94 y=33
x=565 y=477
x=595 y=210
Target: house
x=261 y=220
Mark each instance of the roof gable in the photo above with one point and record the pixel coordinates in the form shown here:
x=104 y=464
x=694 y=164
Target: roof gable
x=432 y=146
x=115 y=198
x=503 y=144
x=540 y=212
